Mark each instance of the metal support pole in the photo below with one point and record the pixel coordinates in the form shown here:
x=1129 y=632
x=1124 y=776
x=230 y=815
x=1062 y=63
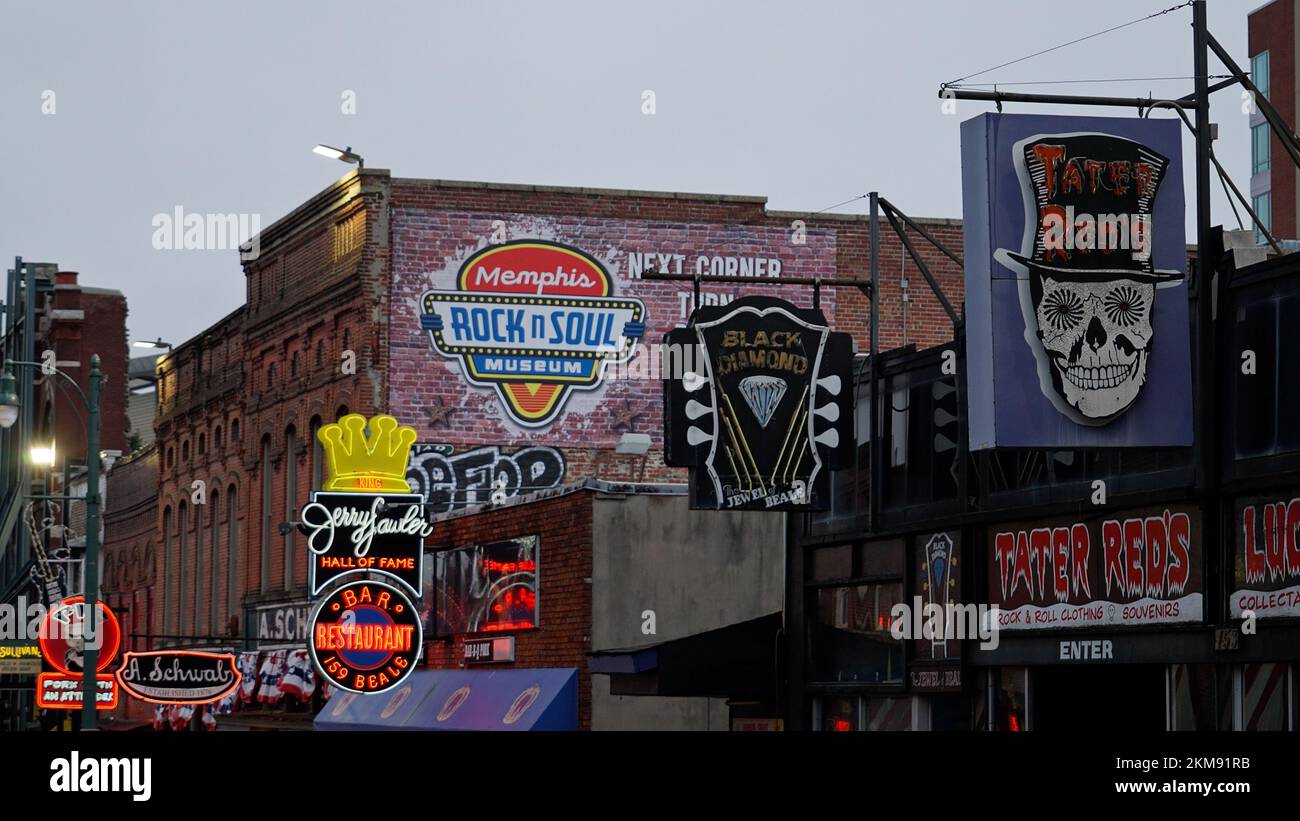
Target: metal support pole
x=1206 y=416
x=89 y=714
x=1050 y=99
x=876 y=464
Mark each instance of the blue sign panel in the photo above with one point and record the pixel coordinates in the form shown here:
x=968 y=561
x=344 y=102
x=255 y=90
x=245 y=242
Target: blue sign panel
x=1076 y=287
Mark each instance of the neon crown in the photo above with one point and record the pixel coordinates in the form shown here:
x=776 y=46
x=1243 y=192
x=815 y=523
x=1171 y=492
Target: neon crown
x=362 y=465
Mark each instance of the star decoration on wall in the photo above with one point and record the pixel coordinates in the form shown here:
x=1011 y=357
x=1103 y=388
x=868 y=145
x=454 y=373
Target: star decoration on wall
x=626 y=416
x=440 y=413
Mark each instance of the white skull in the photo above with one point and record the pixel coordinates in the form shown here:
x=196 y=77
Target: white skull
x=1097 y=335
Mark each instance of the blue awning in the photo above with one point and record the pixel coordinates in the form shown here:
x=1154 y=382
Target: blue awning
x=511 y=699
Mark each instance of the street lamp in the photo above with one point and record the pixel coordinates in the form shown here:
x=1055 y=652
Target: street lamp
x=8 y=413
x=342 y=154
x=144 y=343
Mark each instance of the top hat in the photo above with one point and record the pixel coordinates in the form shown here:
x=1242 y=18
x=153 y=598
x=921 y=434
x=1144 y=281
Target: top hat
x=1099 y=175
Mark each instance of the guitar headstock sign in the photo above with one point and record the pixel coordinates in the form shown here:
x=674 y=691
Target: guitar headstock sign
x=762 y=410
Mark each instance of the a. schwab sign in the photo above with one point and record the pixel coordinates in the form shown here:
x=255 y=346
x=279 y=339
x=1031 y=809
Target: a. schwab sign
x=1267 y=578
x=1130 y=568
x=1076 y=297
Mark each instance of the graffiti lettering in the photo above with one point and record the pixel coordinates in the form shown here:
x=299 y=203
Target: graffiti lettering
x=452 y=481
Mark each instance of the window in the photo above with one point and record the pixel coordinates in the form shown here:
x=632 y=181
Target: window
x=270 y=376
x=854 y=591
x=317 y=455
x=1263 y=205
x=486 y=588
x=320 y=352
x=1259 y=73
x=234 y=431
x=290 y=501
x=232 y=548
x=216 y=437
x=165 y=626
x=347 y=339
x=183 y=555
x=266 y=514
x=214 y=577
x=1260 y=142
x=203 y=444
x=185 y=451
x=171 y=457
x=293 y=366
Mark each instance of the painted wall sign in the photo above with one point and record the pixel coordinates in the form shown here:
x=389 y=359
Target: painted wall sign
x=534 y=320
x=1077 y=331
x=431 y=248
x=1133 y=568
x=351 y=529
x=178 y=676
x=487 y=588
x=366 y=637
x=449 y=481
x=287 y=623
x=1267 y=573
x=766 y=414
x=62 y=640
x=491 y=650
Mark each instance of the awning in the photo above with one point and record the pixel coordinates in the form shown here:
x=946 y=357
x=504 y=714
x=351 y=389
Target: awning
x=513 y=699
x=738 y=661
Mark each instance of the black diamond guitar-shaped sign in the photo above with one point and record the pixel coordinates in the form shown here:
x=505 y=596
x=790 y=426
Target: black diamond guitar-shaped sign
x=758 y=404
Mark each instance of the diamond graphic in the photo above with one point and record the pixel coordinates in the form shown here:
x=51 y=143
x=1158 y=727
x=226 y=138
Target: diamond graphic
x=762 y=394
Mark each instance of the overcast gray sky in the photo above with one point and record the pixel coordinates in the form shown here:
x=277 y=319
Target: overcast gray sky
x=214 y=107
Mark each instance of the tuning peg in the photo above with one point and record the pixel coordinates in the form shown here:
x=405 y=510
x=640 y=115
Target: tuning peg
x=830 y=383
x=828 y=412
x=692 y=381
x=829 y=438
x=695 y=436
x=694 y=410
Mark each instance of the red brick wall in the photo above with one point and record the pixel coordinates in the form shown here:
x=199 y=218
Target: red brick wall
x=1272 y=29
x=563 y=527
x=129 y=553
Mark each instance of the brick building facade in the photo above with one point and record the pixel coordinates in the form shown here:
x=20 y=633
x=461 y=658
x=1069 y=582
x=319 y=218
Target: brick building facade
x=330 y=325
x=129 y=555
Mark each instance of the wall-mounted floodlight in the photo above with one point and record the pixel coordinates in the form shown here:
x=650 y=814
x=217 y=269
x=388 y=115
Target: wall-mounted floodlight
x=341 y=154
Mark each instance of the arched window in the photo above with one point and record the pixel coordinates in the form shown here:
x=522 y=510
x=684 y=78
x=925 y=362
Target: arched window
x=265 y=584
x=232 y=548
x=165 y=626
x=203 y=444
x=293 y=366
x=317 y=455
x=320 y=352
x=234 y=431
x=196 y=590
x=214 y=566
x=171 y=457
x=185 y=452
x=290 y=501
x=182 y=555
x=216 y=438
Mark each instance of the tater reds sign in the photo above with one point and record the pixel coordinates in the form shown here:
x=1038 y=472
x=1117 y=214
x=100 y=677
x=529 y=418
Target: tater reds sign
x=534 y=320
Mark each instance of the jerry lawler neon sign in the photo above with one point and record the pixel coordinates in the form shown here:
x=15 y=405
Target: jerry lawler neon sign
x=534 y=320
x=366 y=636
